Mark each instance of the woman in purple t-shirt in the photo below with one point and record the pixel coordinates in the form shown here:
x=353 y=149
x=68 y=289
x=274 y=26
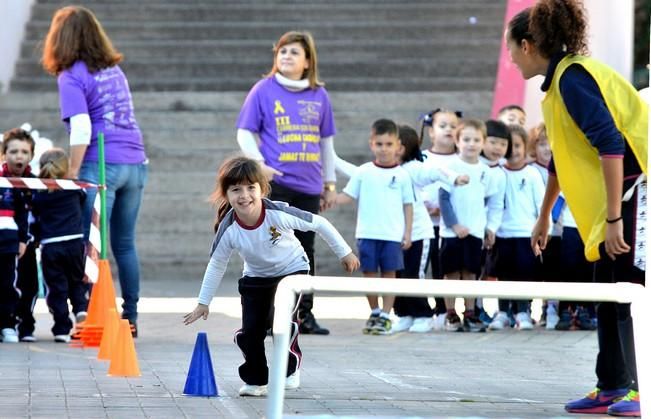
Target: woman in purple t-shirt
x=287 y=124
x=94 y=97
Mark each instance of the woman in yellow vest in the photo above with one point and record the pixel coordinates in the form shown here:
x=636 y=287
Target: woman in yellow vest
x=598 y=127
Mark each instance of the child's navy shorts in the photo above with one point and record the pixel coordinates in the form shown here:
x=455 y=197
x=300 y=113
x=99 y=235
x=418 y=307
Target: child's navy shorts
x=380 y=254
x=460 y=254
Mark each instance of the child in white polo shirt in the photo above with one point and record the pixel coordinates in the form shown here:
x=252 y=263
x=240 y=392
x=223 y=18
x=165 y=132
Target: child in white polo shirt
x=385 y=197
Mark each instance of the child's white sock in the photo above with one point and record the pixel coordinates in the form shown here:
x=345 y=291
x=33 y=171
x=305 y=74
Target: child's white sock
x=376 y=311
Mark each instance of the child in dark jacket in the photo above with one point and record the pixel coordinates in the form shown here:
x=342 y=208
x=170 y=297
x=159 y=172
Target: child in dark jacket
x=13 y=230
x=58 y=229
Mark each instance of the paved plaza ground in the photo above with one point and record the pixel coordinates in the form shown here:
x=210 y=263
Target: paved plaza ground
x=346 y=374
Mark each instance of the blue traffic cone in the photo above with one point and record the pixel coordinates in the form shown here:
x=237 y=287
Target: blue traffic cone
x=201 y=378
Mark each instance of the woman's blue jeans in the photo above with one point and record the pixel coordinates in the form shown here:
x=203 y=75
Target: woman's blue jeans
x=125 y=184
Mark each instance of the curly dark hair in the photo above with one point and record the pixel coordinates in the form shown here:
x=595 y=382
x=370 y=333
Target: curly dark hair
x=553 y=26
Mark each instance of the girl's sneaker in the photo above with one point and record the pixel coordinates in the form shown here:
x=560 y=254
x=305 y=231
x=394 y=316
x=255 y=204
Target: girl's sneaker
x=628 y=406
x=9 y=335
x=421 y=325
x=28 y=338
x=500 y=321
x=402 y=324
x=552 y=317
x=597 y=401
x=523 y=321
x=62 y=338
x=453 y=323
x=293 y=381
x=471 y=323
x=253 y=390
x=439 y=321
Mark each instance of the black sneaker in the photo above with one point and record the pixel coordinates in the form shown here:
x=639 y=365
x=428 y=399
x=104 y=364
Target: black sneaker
x=471 y=323
x=583 y=320
x=565 y=320
x=370 y=324
x=309 y=326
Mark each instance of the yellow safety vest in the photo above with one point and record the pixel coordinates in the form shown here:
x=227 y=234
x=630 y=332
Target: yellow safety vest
x=577 y=162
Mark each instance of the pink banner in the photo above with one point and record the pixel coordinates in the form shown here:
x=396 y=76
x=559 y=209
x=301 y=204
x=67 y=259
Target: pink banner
x=509 y=84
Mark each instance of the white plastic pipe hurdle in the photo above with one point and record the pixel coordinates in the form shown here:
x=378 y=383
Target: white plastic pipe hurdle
x=289 y=287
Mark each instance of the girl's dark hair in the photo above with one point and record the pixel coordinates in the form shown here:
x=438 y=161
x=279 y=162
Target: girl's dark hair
x=17 y=134
x=307 y=42
x=427 y=120
x=499 y=129
x=75 y=34
x=54 y=164
x=235 y=171
x=553 y=26
x=410 y=141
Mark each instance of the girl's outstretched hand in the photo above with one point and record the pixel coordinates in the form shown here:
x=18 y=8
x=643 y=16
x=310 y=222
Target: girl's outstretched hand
x=200 y=311
x=350 y=262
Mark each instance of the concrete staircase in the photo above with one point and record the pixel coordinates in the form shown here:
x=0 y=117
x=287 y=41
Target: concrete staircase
x=190 y=67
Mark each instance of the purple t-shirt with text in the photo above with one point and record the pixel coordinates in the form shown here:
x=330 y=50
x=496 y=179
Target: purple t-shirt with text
x=106 y=98
x=290 y=126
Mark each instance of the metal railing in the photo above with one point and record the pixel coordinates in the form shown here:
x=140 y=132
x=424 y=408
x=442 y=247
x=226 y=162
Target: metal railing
x=289 y=287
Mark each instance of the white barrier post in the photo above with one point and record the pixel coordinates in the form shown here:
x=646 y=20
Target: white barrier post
x=284 y=303
x=287 y=289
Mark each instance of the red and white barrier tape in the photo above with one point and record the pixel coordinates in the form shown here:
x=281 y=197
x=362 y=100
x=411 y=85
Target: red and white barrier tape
x=91 y=268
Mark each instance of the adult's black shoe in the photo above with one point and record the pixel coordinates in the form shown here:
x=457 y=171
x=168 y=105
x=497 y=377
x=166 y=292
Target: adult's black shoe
x=309 y=326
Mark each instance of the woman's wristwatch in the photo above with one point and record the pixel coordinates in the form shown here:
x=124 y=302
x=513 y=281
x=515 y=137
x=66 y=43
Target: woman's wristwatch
x=330 y=187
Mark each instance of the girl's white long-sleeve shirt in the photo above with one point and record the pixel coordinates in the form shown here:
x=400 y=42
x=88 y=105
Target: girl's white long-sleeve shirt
x=522 y=202
x=269 y=249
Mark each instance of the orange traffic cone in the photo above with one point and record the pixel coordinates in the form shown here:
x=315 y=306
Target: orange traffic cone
x=102 y=298
x=109 y=335
x=124 y=362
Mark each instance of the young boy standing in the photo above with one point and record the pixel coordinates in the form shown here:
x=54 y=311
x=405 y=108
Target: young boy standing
x=467 y=227
x=384 y=195
x=18 y=148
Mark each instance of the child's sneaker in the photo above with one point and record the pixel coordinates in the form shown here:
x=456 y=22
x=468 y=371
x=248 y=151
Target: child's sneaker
x=583 y=320
x=439 y=321
x=62 y=338
x=597 y=401
x=81 y=317
x=552 y=317
x=382 y=326
x=253 y=391
x=523 y=321
x=471 y=323
x=293 y=381
x=28 y=338
x=370 y=323
x=421 y=325
x=628 y=406
x=500 y=321
x=485 y=317
x=453 y=323
x=9 y=335
x=402 y=324
x=564 y=321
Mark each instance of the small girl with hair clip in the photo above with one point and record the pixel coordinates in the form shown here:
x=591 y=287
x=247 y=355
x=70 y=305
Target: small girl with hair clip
x=414 y=313
x=442 y=127
x=262 y=232
x=59 y=230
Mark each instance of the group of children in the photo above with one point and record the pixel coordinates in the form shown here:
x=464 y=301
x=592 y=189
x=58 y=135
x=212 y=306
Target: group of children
x=466 y=206
x=45 y=222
